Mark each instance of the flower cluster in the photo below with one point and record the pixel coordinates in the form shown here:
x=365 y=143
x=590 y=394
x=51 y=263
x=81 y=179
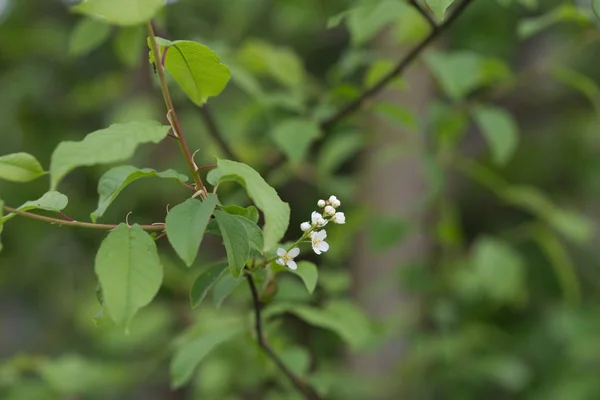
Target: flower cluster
x=314 y=230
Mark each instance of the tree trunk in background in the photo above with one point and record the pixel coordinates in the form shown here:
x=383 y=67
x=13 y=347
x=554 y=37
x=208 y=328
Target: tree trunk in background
x=396 y=187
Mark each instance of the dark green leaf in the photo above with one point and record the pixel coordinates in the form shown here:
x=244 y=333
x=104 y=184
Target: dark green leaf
x=50 y=201
x=120 y=12
x=87 y=35
x=186 y=224
x=294 y=137
x=499 y=130
x=190 y=354
x=249 y=212
x=205 y=282
x=20 y=167
x=277 y=212
x=116 y=179
x=129 y=270
x=235 y=239
x=115 y=143
x=196 y=68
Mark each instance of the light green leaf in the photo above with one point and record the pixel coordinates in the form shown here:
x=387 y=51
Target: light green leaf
x=235 y=240
x=115 y=143
x=596 y=7
x=120 y=12
x=499 y=130
x=190 y=354
x=20 y=167
x=294 y=137
x=338 y=149
x=309 y=274
x=277 y=212
x=128 y=45
x=1 y=221
x=439 y=7
x=255 y=235
x=499 y=270
x=585 y=85
x=461 y=72
x=563 y=13
x=88 y=35
x=196 y=68
x=116 y=179
x=249 y=212
x=341 y=317
x=378 y=70
x=224 y=287
x=298 y=360
x=205 y=281
x=50 y=201
x=129 y=271
x=366 y=21
x=186 y=224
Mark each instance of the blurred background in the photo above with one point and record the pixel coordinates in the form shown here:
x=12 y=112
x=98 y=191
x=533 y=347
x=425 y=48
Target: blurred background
x=467 y=268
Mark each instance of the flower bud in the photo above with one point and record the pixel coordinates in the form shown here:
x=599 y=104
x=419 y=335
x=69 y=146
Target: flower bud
x=321 y=203
x=339 y=218
x=332 y=198
x=336 y=203
x=329 y=210
x=305 y=226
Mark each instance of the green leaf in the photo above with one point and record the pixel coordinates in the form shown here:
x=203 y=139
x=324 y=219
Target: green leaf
x=20 y=167
x=255 y=235
x=249 y=212
x=128 y=45
x=596 y=7
x=116 y=179
x=224 y=287
x=309 y=274
x=120 y=12
x=50 y=201
x=113 y=144
x=366 y=21
x=461 y=72
x=338 y=149
x=205 y=281
x=439 y=7
x=499 y=270
x=585 y=85
x=196 y=68
x=235 y=240
x=189 y=356
x=341 y=317
x=386 y=232
x=563 y=13
x=88 y=35
x=294 y=137
x=499 y=130
x=277 y=212
x=129 y=271
x=1 y=222
x=186 y=224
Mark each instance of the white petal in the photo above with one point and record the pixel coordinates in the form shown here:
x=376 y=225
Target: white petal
x=323 y=246
x=321 y=235
x=280 y=261
x=280 y=252
x=316 y=249
x=292 y=265
x=339 y=218
x=314 y=217
x=313 y=234
x=294 y=252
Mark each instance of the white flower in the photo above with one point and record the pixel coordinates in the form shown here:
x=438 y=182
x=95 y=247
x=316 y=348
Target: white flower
x=332 y=199
x=335 y=203
x=287 y=257
x=339 y=218
x=321 y=203
x=305 y=226
x=319 y=244
x=329 y=210
x=317 y=219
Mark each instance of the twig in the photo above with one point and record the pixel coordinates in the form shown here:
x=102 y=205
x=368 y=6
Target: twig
x=424 y=13
x=399 y=69
x=171 y=110
x=215 y=133
x=307 y=391
x=88 y=225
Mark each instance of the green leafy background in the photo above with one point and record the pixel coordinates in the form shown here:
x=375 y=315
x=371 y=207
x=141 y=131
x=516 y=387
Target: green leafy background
x=506 y=304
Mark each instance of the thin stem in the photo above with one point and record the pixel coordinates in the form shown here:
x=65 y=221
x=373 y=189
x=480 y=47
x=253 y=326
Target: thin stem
x=215 y=132
x=160 y=68
x=307 y=391
x=424 y=13
x=88 y=225
x=398 y=70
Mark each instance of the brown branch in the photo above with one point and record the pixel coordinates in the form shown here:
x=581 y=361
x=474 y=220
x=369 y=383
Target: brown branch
x=215 y=132
x=424 y=14
x=398 y=70
x=88 y=225
x=307 y=391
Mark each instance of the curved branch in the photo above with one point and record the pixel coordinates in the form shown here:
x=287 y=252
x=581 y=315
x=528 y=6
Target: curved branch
x=398 y=70
x=307 y=391
x=88 y=225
